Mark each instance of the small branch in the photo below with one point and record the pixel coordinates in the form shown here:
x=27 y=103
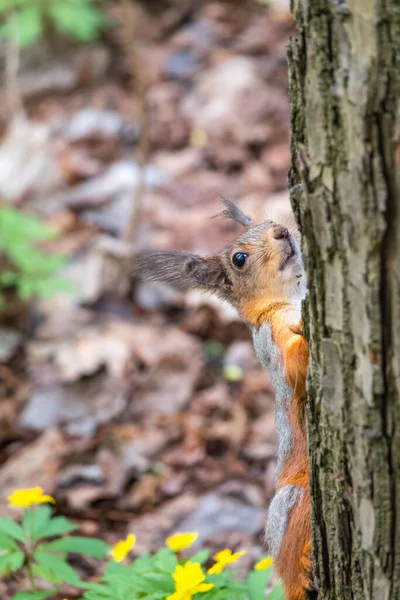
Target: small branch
x=139 y=90
x=12 y=67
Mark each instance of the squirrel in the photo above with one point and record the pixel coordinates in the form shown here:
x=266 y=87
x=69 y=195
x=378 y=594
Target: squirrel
x=261 y=274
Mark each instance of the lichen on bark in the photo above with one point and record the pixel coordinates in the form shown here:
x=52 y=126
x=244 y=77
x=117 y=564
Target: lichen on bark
x=345 y=191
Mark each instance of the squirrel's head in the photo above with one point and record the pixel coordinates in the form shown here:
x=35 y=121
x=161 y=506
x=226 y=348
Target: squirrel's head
x=263 y=264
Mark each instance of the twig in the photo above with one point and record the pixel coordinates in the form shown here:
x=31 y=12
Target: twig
x=12 y=67
x=139 y=89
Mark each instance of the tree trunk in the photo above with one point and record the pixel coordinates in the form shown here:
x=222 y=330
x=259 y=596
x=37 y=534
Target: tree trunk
x=345 y=91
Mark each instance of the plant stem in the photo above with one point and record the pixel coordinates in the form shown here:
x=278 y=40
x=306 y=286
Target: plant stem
x=29 y=545
x=139 y=89
x=30 y=572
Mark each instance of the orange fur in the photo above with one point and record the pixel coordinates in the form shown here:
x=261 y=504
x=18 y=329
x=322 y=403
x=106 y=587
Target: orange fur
x=293 y=563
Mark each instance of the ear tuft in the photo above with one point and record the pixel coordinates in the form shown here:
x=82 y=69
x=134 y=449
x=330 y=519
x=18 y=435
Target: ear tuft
x=234 y=213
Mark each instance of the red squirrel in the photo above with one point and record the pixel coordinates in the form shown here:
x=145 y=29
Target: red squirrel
x=261 y=274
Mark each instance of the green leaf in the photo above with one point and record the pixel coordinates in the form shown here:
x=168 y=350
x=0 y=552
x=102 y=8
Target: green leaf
x=142 y=563
x=48 y=287
x=101 y=592
x=80 y=545
x=28 y=268
x=7 y=543
x=34 y=595
x=35 y=521
x=57 y=526
x=165 y=560
x=201 y=557
x=144 y=583
x=105 y=594
x=8 y=278
x=115 y=568
x=79 y=19
x=28 y=25
x=17 y=227
x=121 y=587
x=58 y=567
x=257 y=582
x=12 y=561
x=45 y=574
x=153 y=583
x=26 y=288
x=12 y=529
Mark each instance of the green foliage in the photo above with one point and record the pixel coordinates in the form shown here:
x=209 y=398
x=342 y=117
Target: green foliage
x=28 y=544
x=23 y=265
x=25 y=20
x=150 y=577
x=41 y=544
x=34 y=595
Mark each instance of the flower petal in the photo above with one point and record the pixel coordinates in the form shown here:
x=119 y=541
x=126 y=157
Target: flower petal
x=181 y=541
x=224 y=558
x=188 y=578
x=265 y=563
x=237 y=555
x=26 y=497
x=223 y=555
x=216 y=569
x=204 y=587
x=46 y=499
x=122 y=548
x=130 y=541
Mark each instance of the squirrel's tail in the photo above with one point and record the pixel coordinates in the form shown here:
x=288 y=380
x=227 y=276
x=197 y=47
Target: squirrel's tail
x=293 y=562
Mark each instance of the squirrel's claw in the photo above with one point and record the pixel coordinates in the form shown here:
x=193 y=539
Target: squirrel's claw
x=306 y=565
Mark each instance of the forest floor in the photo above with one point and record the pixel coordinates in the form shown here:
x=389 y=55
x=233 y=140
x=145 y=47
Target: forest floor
x=139 y=408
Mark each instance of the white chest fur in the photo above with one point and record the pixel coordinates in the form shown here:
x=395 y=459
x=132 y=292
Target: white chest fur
x=286 y=497
x=270 y=357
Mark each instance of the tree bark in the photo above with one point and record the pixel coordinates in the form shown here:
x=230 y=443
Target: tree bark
x=345 y=191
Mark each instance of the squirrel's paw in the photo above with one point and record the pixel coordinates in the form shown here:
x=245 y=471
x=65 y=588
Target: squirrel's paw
x=297 y=328
x=306 y=565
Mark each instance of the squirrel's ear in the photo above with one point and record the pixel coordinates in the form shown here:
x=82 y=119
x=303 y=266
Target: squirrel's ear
x=164 y=265
x=208 y=273
x=183 y=270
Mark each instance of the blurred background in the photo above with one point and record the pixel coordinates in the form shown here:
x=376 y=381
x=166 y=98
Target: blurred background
x=141 y=409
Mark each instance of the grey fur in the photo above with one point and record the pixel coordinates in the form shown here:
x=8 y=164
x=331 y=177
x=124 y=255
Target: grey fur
x=278 y=517
x=285 y=498
x=270 y=357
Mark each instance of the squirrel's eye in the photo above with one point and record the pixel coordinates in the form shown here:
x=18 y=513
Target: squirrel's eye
x=239 y=259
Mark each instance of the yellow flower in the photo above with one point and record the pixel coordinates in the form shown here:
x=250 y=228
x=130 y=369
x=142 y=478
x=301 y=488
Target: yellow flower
x=123 y=547
x=25 y=498
x=189 y=580
x=223 y=558
x=181 y=541
x=265 y=563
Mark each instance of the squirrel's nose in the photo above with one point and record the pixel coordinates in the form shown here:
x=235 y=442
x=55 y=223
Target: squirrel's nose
x=281 y=233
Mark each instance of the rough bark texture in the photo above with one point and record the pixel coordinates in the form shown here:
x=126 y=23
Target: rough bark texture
x=345 y=187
